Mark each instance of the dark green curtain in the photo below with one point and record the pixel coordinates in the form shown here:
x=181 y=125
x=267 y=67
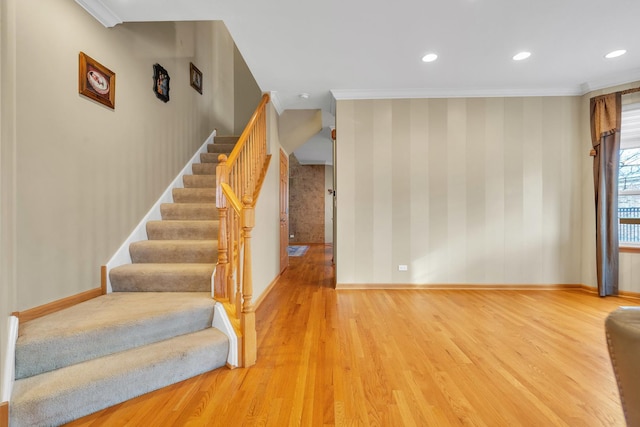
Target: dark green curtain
x=605 y=137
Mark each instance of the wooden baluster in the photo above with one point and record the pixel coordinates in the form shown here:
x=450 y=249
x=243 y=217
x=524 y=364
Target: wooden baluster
x=252 y=162
x=246 y=166
x=248 y=310
x=220 y=279
x=233 y=241
x=241 y=262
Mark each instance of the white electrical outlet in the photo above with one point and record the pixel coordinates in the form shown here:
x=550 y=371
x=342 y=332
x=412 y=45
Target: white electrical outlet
x=403 y=267
x=291 y=236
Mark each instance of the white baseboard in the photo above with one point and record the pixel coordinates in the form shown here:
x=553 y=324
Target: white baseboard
x=222 y=322
x=122 y=255
x=9 y=368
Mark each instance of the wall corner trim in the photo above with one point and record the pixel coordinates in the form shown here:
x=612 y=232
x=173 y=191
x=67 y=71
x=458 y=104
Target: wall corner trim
x=100 y=12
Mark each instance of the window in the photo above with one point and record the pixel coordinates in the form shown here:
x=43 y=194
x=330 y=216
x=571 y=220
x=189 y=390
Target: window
x=629 y=178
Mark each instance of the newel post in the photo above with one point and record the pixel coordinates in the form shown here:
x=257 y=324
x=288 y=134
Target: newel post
x=220 y=279
x=248 y=310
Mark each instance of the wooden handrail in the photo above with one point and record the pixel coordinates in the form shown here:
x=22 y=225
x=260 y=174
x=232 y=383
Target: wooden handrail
x=231 y=198
x=239 y=178
x=247 y=130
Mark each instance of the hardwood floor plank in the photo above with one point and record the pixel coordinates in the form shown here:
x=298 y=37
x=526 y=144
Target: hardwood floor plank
x=402 y=358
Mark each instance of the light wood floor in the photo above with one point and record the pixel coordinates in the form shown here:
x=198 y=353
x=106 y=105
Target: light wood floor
x=402 y=358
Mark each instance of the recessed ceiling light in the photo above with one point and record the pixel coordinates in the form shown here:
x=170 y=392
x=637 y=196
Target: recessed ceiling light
x=304 y=95
x=615 y=53
x=429 y=57
x=520 y=56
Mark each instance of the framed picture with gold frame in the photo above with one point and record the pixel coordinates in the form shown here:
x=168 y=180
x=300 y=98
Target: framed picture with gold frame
x=96 y=81
x=195 y=77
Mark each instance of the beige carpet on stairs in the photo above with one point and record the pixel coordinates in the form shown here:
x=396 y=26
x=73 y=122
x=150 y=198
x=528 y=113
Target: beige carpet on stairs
x=181 y=252
x=152 y=331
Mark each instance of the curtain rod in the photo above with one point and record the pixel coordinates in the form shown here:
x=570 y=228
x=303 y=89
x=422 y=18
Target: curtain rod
x=621 y=92
x=628 y=91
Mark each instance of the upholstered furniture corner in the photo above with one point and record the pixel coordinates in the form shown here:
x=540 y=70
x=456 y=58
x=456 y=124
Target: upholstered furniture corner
x=622 y=327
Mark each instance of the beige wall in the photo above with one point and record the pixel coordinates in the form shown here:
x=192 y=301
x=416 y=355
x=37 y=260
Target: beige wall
x=266 y=234
x=247 y=94
x=479 y=191
x=629 y=277
x=8 y=286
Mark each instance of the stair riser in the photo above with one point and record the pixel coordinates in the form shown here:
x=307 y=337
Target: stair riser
x=36 y=357
x=159 y=251
x=209 y=157
x=161 y=281
x=194 y=195
x=226 y=140
x=199 y=181
x=204 y=168
x=187 y=211
x=182 y=230
x=79 y=390
x=220 y=148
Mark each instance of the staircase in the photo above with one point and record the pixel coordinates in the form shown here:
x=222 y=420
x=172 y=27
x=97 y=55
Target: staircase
x=152 y=331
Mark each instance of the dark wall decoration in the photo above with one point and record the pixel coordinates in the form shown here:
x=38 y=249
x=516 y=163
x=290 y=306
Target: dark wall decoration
x=161 y=82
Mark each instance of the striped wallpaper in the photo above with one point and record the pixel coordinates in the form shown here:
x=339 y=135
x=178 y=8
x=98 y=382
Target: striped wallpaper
x=462 y=191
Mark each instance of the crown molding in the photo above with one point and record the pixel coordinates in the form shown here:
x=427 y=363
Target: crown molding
x=100 y=12
x=277 y=103
x=629 y=76
x=618 y=79
x=348 y=94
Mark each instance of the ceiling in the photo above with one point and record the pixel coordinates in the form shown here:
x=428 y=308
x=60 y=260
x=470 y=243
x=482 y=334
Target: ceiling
x=352 y=49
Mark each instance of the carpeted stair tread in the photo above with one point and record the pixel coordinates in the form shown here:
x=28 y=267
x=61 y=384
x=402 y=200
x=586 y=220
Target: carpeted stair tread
x=204 y=168
x=199 y=181
x=60 y=396
x=183 y=230
x=194 y=195
x=174 y=251
x=220 y=148
x=162 y=278
x=189 y=211
x=108 y=324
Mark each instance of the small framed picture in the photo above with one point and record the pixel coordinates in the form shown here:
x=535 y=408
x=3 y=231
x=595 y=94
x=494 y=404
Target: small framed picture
x=96 y=81
x=195 y=77
x=161 y=82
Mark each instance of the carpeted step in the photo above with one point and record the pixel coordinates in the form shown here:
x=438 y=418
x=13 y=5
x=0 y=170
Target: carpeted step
x=204 y=168
x=220 y=148
x=108 y=324
x=199 y=181
x=162 y=278
x=189 y=211
x=60 y=396
x=174 y=251
x=225 y=139
x=194 y=195
x=183 y=230
x=209 y=157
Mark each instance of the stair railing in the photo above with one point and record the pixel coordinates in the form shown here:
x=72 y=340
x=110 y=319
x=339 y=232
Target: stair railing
x=239 y=178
